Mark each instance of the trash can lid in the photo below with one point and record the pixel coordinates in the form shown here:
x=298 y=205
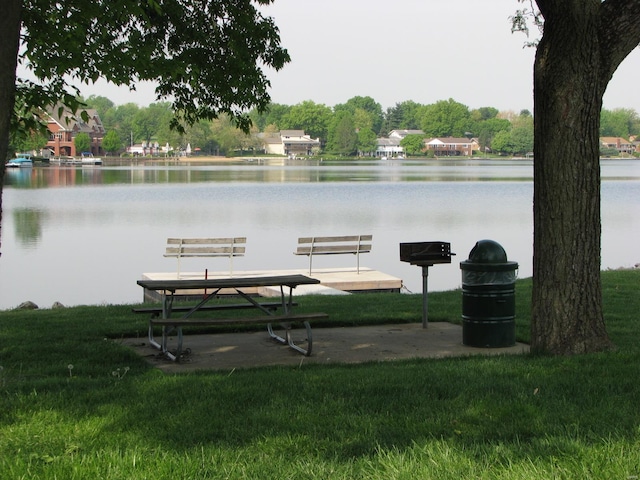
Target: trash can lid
x=488 y=267
x=487 y=251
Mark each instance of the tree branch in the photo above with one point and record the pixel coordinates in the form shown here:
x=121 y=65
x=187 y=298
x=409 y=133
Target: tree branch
x=619 y=32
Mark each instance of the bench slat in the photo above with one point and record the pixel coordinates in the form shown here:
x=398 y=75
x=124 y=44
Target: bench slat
x=334 y=245
x=342 y=238
x=200 y=241
x=204 y=251
x=332 y=249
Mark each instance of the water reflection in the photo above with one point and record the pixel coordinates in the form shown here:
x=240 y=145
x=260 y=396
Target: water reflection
x=288 y=171
x=28 y=226
x=275 y=171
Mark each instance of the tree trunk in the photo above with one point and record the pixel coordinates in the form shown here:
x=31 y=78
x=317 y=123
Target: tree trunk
x=574 y=63
x=9 y=39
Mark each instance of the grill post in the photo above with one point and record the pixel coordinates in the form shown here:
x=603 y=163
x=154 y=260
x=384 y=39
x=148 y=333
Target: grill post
x=425 y=301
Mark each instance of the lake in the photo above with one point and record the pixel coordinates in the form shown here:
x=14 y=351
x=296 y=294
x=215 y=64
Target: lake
x=84 y=235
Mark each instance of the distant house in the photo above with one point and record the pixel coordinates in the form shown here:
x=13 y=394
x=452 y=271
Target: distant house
x=64 y=128
x=451 y=146
x=618 y=143
x=289 y=142
x=145 y=149
x=390 y=146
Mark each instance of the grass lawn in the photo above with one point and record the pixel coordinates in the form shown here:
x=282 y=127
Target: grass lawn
x=76 y=404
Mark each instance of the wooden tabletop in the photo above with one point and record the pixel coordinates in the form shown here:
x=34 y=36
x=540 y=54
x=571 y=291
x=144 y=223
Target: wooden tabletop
x=230 y=282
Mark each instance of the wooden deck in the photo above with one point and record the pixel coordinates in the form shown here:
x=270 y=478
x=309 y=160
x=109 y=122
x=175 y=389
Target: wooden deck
x=333 y=281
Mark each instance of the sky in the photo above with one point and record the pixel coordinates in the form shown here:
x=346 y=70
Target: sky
x=419 y=50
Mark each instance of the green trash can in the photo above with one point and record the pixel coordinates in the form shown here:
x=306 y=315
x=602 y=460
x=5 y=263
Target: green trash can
x=488 y=297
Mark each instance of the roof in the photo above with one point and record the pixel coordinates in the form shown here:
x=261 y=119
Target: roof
x=307 y=140
x=404 y=133
x=70 y=122
x=388 y=141
x=449 y=140
x=271 y=138
x=292 y=133
x=613 y=140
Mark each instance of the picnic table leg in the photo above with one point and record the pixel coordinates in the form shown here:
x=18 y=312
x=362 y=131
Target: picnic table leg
x=167 y=305
x=275 y=336
x=152 y=340
x=288 y=340
x=204 y=300
x=287 y=304
x=166 y=330
x=307 y=352
x=256 y=304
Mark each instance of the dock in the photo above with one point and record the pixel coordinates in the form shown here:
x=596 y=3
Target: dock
x=333 y=281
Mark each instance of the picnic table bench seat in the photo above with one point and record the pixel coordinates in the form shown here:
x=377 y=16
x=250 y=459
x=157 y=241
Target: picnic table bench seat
x=156 y=310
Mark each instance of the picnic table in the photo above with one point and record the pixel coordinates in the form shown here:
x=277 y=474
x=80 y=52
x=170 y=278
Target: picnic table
x=212 y=288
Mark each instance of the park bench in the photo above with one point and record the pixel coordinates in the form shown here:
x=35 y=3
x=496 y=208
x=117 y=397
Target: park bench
x=346 y=244
x=229 y=247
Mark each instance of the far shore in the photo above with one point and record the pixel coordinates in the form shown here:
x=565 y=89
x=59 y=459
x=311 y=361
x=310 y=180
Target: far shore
x=223 y=159
x=190 y=159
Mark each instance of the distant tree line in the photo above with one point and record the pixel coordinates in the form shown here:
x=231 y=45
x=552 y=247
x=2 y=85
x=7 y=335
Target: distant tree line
x=346 y=129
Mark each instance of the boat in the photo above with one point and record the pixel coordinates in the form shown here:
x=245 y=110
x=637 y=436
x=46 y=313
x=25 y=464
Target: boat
x=65 y=160
x=87 y=158
x=22 y=160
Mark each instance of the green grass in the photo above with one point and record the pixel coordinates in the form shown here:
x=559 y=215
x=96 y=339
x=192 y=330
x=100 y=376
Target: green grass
x=112 y=416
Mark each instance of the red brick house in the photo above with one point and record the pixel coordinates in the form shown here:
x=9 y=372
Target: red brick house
x=64 y=128
x=451 y=147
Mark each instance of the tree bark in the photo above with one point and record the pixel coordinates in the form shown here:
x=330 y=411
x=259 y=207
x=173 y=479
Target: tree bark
x=575 y=60
x=9 y=41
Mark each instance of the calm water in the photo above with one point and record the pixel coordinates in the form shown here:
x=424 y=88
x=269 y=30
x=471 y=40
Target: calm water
x=84 y=235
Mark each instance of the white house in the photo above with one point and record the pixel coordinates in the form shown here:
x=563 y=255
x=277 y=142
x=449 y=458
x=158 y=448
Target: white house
x=143 y=149
x=290 y=143
x=390 y=146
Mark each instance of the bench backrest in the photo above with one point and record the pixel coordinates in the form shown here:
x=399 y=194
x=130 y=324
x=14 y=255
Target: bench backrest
x=206 y=247
x=353 y=244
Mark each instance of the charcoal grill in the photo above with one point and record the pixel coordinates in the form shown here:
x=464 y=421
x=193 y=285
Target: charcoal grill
x=425 y=255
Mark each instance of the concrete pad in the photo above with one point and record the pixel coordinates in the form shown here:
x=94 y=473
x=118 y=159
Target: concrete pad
x=229 y=351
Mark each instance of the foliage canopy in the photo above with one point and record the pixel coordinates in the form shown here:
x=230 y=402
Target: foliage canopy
x=205 y=55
